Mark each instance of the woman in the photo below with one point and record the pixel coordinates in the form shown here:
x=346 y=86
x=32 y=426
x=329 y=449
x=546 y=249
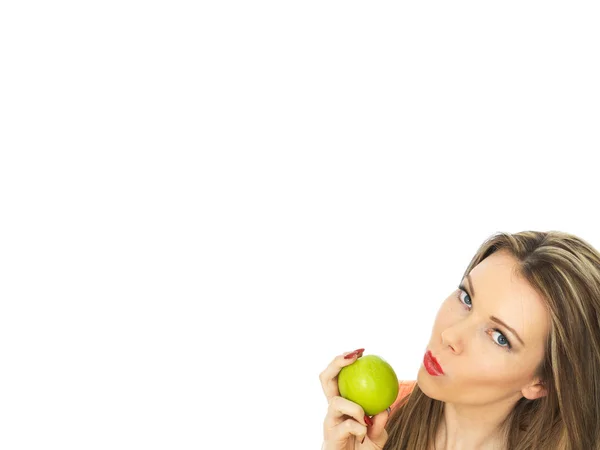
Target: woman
x=517 y=358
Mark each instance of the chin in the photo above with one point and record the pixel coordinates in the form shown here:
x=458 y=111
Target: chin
x=428 y=385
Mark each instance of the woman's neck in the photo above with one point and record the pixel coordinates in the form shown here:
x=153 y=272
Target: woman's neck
x=467 y=427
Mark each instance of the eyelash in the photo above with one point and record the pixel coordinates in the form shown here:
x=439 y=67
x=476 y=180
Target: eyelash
x=508 y=346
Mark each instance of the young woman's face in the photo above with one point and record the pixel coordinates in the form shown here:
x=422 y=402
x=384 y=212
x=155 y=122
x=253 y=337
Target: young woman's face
x=482 y=361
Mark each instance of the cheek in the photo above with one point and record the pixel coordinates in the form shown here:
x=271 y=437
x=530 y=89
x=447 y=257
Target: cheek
x=488 y=367
x=493 y=379
x=484 y=364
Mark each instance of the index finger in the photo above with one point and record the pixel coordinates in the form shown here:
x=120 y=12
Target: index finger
x=329 y=376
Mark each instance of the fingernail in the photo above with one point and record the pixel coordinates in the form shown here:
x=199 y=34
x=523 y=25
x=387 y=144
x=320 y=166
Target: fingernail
x=368 y=421
x=389 y=410
x=358 y=352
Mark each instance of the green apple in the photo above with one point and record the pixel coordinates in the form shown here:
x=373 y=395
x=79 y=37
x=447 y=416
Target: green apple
x=370 y=382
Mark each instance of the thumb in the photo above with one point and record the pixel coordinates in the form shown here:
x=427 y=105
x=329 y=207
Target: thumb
x=377 y=432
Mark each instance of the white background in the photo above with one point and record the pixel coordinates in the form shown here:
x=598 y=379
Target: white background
x=202 y=203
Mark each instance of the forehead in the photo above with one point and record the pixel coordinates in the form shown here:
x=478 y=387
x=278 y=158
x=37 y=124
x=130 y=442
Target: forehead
x=500 y=291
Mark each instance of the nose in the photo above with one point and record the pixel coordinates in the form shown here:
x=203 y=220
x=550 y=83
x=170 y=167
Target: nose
x=452 y=338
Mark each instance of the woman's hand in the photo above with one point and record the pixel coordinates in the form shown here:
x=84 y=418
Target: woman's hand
x=346 y=427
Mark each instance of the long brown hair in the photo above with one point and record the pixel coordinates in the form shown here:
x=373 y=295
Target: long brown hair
x=565 y=270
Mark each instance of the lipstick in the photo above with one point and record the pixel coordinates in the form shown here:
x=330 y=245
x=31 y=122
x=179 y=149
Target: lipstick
x=431 y=365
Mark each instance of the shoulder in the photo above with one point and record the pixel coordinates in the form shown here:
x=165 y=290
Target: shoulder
x=405 y=387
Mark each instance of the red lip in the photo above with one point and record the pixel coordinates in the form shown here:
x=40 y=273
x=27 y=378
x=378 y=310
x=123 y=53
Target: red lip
x=431 y=364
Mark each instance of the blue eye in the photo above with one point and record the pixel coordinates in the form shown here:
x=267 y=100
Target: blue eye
x=502 y=341
x=461 y=290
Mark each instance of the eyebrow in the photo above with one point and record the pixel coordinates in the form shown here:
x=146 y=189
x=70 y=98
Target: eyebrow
x=493 y=318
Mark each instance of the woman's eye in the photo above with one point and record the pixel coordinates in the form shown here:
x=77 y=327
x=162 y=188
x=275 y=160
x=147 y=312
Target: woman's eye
x=502 y=341
x=466 y=302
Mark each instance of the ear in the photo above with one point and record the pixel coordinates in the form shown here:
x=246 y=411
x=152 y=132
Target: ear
x=534 y=390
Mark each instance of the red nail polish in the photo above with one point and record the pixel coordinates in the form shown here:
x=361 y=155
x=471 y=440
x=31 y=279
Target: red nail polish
x=368 y=421
x=358 y=352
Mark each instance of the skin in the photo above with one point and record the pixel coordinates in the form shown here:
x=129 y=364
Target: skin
x=483 y=381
